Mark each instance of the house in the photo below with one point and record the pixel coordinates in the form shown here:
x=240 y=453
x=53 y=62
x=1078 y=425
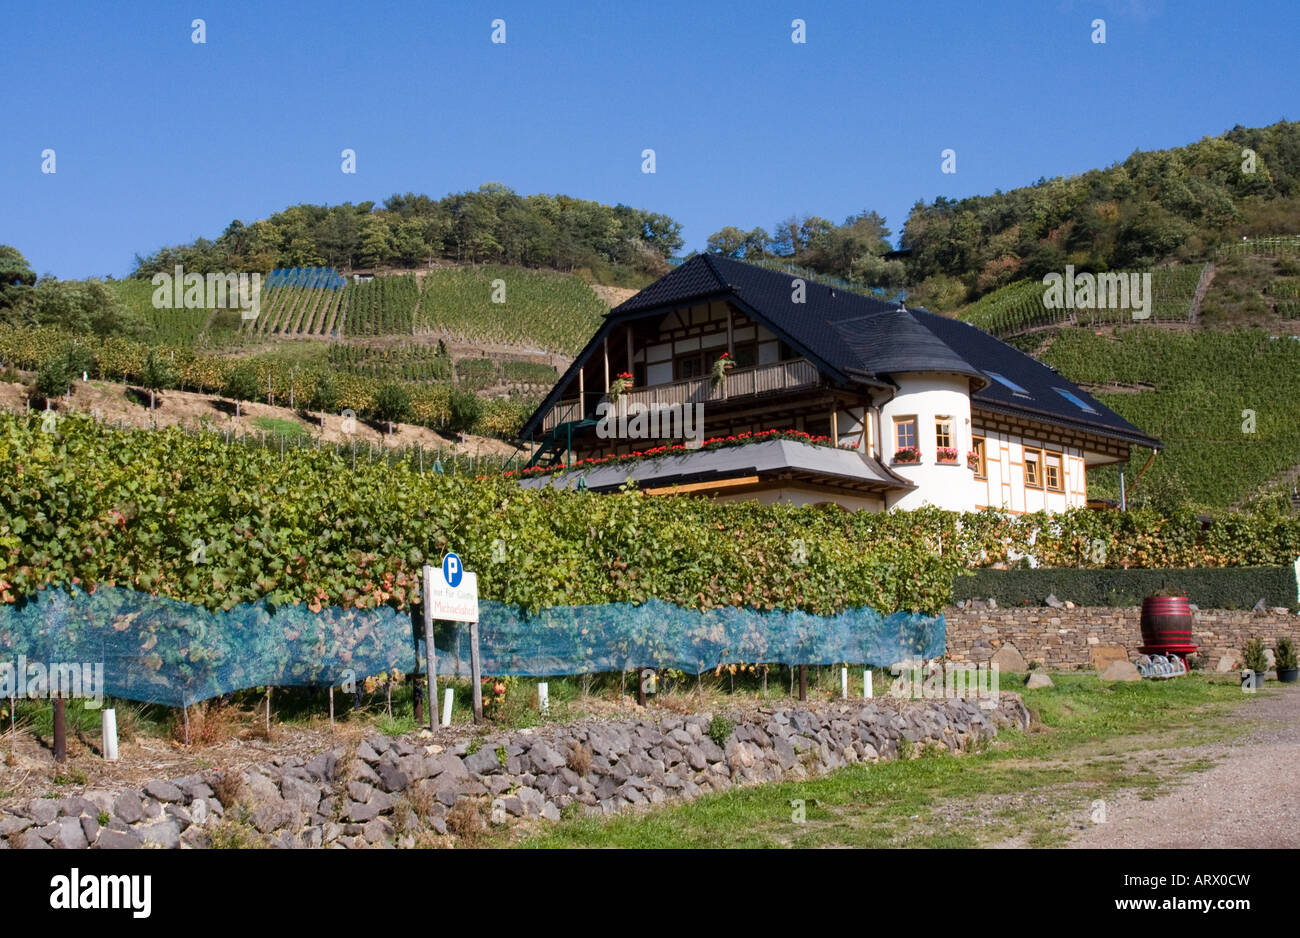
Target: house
x=913 y=408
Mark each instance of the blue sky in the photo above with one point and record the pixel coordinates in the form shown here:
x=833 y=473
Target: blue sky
x=159 y=140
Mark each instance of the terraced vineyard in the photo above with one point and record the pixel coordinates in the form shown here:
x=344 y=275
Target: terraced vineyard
x=407 y=362
x=545 y=311
x=176 y=327
x=1018 y=307
x=1209 y=386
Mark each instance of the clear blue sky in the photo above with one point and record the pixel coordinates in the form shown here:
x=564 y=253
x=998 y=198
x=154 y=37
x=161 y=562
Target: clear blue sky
x=159 y=140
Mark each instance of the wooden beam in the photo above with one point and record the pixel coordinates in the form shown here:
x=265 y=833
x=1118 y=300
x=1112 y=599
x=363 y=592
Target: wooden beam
x=606 y=351
x=582 y=393
x=704 y=486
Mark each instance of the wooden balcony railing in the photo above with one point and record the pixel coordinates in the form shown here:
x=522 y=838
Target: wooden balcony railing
x=740 y=382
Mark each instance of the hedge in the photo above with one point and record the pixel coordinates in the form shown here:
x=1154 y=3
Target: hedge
x=1207 y=587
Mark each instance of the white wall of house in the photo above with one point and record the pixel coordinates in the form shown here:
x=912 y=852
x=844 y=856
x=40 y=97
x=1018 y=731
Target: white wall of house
x=1007 y=485
x=930 y=398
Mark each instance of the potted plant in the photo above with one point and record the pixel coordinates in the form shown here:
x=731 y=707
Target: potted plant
x=907 y=454
x=723 y=365
x=1285 y=658
x=973 y=461
x=947 y=454
x=1253 y=662
x=619 y=385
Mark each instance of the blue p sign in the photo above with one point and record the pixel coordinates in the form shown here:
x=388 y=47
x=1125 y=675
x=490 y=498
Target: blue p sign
x=452 y=571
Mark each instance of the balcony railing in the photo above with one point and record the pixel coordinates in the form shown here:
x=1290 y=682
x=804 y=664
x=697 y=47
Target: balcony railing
x=739 y=382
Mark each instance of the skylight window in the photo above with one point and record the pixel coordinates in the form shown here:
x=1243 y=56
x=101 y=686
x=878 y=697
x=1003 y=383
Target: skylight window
x=1075 y=400
x=1008 y=384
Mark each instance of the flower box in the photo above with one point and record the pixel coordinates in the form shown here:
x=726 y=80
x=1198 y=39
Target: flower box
x=947 y=456
x=907 y=456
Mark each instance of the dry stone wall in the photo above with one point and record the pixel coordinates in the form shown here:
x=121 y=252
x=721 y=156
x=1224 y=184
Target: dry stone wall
x=1082 y=637
x=402 y=792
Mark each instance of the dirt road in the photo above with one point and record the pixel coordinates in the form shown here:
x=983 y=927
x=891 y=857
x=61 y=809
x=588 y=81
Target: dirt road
x=1250 y=799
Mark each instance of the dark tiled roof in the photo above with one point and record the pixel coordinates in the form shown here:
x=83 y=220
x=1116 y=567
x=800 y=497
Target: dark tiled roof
x=857 y=336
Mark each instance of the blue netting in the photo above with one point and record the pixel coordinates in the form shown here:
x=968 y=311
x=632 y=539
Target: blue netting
x=164 y=651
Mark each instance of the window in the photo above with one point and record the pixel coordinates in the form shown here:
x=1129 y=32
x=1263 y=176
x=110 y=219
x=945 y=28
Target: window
x=904 y=434
x=1008 y=384
x=688 y=366
x=1052 y=472
x=977 y=447
x=1076 y=400
x=746 y=354
x=943 y=432
x=1033 y=468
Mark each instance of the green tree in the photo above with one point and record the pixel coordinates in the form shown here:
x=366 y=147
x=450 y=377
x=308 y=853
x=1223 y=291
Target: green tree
x=324 y=393
x=53 y=378
x=241 y=384
x=16 y=278
x=155 y=374
x=465 y=410
x=392 y=403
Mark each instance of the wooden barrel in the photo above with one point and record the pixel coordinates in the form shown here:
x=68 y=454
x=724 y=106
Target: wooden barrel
x=1167 y=624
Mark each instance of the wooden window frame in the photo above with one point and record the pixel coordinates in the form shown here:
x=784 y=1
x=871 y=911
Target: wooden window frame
x=951 y=434
x=1038 y=463
x=1060 y=472
x=980 y=448
x=916 y=434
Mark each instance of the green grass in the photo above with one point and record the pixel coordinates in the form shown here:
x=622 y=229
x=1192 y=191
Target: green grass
x=281 y=426
x=1025 y=785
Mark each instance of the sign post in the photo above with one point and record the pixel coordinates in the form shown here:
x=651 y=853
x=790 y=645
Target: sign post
x=454 y=597
x=430 y=656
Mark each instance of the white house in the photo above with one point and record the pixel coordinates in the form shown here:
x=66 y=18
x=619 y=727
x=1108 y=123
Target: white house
x=924 y=409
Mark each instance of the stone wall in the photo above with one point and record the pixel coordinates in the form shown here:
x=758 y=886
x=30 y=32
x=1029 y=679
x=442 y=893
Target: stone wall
x=1068 y=638
x=410 y=791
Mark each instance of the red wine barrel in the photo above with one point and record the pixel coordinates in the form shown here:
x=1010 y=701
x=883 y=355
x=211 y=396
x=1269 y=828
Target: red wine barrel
x=1167 y=624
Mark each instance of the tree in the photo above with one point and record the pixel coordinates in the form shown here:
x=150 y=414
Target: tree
x=241 y=384
x=466 y=408
x=729 y=242
x=392 y=403
x=324 y=393
x=155 y=375
x=16 y=278
x=53 y=379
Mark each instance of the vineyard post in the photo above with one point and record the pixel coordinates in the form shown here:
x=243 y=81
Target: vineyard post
x=60 y=729
x=803 y=682
x=331 y=708
x=430 y=656
x=474 y=667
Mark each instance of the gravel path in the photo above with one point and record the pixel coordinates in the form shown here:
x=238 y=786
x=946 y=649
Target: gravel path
x=1250 y=799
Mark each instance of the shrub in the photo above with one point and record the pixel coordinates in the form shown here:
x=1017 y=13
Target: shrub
x=1285 y=654
x=392 y=403
x=465 y=411
x=1253 y=657
x=1207 y=587
x=720 y=728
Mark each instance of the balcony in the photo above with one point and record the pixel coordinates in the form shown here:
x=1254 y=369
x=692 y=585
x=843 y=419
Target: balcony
x=775 y=378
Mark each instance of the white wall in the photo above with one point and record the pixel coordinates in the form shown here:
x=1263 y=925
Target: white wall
x=1004 y=456
x=928 y=396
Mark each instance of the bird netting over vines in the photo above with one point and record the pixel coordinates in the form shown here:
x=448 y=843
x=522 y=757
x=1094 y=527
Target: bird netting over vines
x=164 y=651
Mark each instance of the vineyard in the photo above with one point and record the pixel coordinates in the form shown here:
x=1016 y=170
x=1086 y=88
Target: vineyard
x=1207 y=385
x=307 y=526
x=318 y=302
x=408 y=362
x=187 y=369
x=546 y=311
x=177 y=327
x=1018 y=308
